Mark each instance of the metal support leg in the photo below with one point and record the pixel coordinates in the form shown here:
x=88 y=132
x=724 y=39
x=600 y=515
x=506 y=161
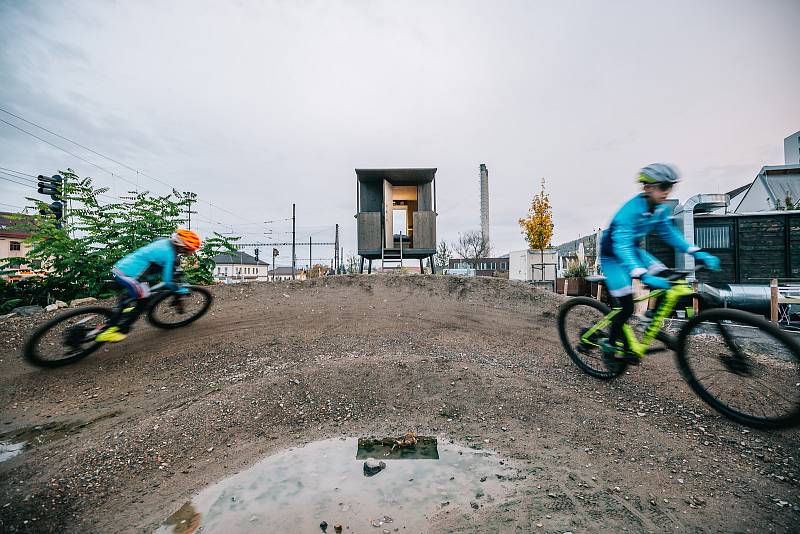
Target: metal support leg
x=433 y=266
x=421 y=268
x=361 y=271
x=369 y=269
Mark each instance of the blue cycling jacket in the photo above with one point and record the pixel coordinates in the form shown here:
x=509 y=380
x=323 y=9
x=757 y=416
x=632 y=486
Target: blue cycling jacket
x=631 y=224
x=158 y=256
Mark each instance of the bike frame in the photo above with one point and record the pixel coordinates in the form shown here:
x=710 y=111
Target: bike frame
x=679 y=290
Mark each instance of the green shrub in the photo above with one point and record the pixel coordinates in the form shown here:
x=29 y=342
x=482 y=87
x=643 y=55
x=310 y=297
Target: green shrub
x=576 y=269
x=78 y=256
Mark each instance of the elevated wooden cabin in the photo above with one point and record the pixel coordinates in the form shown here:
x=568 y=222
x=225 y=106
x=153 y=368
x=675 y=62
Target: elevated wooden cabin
x=396 y=213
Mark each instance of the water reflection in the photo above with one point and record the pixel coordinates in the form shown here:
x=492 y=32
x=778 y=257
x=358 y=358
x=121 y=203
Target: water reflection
x=295 y=490
x=185 y=521
x=8 y=449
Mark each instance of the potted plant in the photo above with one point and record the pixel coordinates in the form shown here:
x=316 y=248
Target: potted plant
x=575 y=278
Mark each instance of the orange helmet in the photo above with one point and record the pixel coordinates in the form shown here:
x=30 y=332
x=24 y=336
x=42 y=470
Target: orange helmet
x=186 y=239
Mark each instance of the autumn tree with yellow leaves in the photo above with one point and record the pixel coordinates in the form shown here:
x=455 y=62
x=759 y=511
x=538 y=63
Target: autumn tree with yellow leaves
x=537 y=227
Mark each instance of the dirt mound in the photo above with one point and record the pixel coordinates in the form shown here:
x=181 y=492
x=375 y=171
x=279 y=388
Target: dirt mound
x=475 y=360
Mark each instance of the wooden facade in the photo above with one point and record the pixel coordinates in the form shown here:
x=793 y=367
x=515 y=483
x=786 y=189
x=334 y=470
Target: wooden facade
x=396 y=214
x=753 y=248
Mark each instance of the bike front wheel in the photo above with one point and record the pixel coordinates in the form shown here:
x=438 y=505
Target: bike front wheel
x=576 y=317
x=170 y=310
x=743 y=366
x=67 y=338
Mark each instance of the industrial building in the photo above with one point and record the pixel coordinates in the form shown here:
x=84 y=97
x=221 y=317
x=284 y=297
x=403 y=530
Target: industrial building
x=497 y=267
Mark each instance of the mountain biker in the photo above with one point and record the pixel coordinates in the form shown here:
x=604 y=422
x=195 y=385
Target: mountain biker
x=160 y=256
x=622 y=258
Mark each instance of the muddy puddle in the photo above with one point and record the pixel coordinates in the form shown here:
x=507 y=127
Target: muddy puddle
x=297 y=489
x=9 y=449
x=15 y=442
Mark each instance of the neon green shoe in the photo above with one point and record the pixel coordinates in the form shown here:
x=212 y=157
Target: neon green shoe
x=111 y=335
x=618 y=353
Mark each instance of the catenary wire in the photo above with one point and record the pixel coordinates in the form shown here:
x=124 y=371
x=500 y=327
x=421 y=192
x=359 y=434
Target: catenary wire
x=138 y=172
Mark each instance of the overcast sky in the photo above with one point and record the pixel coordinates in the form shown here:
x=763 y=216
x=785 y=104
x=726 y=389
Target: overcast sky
x=256 y=105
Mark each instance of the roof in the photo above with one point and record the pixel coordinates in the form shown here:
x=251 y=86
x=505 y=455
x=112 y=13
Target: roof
x=283 y=271
x=794 y=168
x=778 y=181
x=589 y=245
x=15 y=224
x=397 y=176
x=241 y=258
x=738 y=190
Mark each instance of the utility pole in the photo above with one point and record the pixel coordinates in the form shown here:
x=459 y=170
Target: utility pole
x=309 y=257
x=190 y=197
x=294 y=257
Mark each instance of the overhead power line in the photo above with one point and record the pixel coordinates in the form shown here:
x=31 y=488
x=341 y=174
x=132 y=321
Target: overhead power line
x=70 y=153
x=109 y=158
x=83 y=147
x=112 y=173
x=18 y=172
x=16 y=177
x=16 y=182
x=12 y=206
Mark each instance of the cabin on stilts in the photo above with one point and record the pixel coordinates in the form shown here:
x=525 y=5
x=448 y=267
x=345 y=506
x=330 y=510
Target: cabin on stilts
x=396 y=214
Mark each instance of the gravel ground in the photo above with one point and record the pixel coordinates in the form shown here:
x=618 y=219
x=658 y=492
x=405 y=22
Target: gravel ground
x=125 y=436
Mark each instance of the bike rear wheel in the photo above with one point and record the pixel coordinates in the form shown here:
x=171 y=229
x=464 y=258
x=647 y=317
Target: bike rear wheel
x=575 y=317
x=743 y=366
x=67 y=338
x=170 y=310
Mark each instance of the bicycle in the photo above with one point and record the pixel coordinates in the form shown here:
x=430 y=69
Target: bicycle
x=722 y=353
x=71 y=336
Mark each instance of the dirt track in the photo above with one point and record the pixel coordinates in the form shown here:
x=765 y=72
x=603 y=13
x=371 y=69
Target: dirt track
x=277 y=365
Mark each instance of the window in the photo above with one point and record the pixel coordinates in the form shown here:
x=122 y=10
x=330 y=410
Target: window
x=14 y=245
x=713 y=236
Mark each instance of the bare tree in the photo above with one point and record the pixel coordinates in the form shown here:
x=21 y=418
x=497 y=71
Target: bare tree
x=352 y=263
x=443 y=254
x=471 y=246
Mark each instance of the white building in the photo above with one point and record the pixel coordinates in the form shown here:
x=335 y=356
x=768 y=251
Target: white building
x=770 y=189
x=285 y=273
x=791 y=149
x=239 y=267
x=532 y=265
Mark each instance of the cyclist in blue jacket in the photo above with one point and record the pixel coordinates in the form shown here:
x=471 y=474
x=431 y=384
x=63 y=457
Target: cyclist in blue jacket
x=622 y=258
x=159 y=257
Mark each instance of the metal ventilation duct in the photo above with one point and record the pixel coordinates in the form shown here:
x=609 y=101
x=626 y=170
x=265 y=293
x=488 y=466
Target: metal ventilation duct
x=684 y=218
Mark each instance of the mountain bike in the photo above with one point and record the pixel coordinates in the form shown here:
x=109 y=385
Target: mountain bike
x=740 y=364
x=71 y=336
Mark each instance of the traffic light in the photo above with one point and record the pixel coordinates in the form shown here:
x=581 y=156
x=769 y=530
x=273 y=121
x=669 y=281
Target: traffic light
x=256 y=255
x=58 y=210
x=53 y=186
